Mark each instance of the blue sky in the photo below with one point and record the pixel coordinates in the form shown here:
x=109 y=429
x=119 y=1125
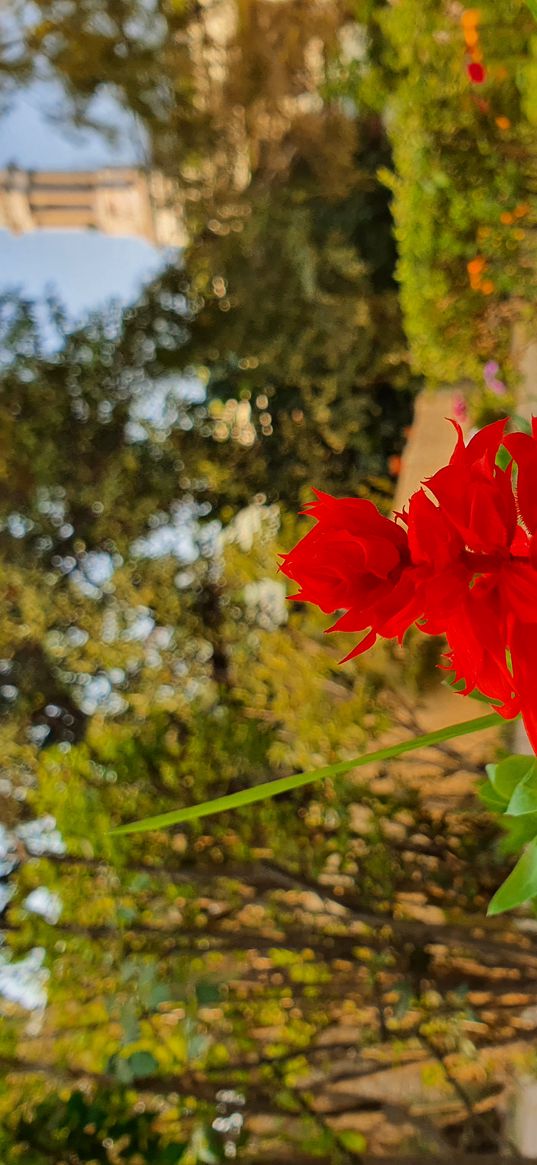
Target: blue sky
x=85 y=268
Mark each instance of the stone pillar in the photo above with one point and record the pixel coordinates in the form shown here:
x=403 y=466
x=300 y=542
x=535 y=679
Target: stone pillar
x=524 y=352
x=522 y=1118
x=430 y=443
x=429 y=446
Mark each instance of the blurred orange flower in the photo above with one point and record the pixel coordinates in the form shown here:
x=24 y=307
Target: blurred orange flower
x=471 y=37
x=394 y=465
x=470 y=17
x=477 y=265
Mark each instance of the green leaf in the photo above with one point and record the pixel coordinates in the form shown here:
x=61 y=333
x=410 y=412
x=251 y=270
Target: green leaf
x=160 y=993
x=139 y=883
x=197 y=1045
x=518 y=831
x=207 y=993
x=524 y=799
x=520 y=885
x=353 y=1141
x=532 y=5
x=172 y=1153
x=503 y=457
x=505 y=776
x=298 y=780
x=490 y=798
x=125 y=915
x=129 y=1023
x=142 y=1064
x=406 y=995
x=122 y=1069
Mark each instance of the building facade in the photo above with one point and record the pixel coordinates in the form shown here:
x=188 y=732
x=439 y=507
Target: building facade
x=120 y=201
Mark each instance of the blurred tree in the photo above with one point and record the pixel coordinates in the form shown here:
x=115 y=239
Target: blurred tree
x=99 y=513
x=139 y=51
x=126 y=442
x=284 y=205
x=132 y=998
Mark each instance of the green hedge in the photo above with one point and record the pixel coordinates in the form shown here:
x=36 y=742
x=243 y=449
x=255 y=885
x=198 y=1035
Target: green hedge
x=464 y=187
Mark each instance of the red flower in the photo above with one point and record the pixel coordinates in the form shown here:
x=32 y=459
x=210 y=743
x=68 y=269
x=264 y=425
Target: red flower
x=356 y=561
x=475 y=496
x=476 y=72
x=523 y=449
x=462 y=561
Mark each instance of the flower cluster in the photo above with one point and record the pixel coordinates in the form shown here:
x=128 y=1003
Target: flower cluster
x=477 y=270
x=476 y=70
x=461 y=561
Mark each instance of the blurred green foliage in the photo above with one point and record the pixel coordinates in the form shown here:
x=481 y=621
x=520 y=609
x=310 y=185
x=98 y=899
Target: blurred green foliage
x=463 y=183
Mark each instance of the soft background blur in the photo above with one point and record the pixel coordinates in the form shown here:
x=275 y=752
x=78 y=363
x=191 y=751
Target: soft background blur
x=238 y=238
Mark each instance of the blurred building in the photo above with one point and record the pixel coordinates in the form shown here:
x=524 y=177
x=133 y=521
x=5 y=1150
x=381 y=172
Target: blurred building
x=121 y=201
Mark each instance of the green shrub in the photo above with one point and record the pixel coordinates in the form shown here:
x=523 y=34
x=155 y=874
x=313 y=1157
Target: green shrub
x=464 y=181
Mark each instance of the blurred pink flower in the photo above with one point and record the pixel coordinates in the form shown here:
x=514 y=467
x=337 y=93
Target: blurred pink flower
x=460 y=411
x=492 y=382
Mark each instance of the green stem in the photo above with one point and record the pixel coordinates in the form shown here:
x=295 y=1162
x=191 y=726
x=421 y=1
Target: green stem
x=297 y=780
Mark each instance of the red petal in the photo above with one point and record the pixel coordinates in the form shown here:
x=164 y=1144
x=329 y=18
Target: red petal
x=524 y=451
x=460 y=447
x=518 y=583
x=524 y=656
x=484 y=445
x=520 y=546
x=365 y=644
x=431 y=539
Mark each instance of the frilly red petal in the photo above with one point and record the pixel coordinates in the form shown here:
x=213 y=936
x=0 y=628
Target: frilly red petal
x=461 y=561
